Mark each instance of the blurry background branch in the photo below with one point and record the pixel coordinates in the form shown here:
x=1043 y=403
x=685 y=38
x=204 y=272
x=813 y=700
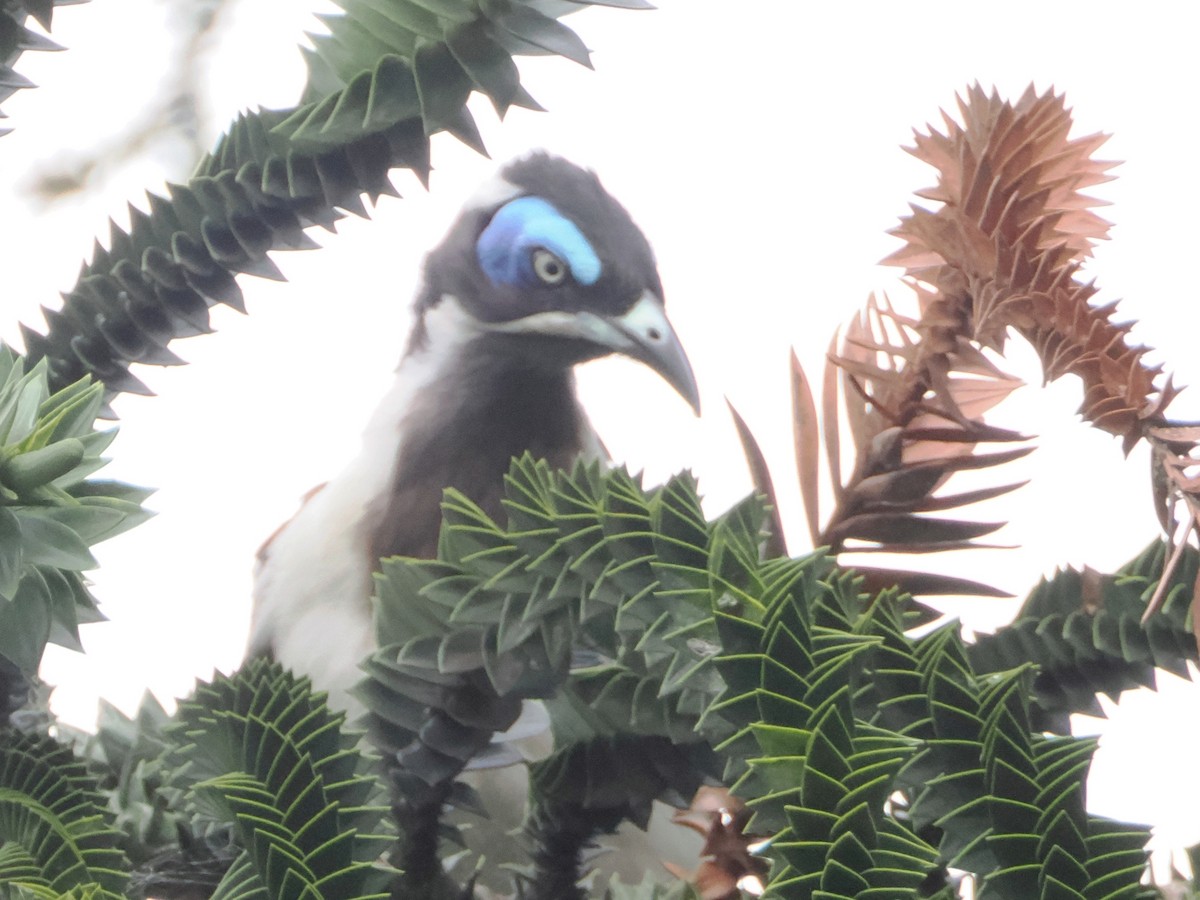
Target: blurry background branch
x=174 y=115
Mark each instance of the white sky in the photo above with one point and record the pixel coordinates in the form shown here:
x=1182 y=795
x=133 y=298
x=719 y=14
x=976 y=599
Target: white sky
x=757 y=143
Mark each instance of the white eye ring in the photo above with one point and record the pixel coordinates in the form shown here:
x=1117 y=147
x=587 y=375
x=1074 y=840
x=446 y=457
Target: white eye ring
x=547 y=267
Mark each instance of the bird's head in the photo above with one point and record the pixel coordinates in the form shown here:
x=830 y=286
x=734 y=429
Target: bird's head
x=545 y=262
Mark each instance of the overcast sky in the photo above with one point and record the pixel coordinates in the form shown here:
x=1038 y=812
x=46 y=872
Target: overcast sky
x=758 y=145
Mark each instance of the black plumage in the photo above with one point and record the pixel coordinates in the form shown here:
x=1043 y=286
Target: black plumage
x=464 y=434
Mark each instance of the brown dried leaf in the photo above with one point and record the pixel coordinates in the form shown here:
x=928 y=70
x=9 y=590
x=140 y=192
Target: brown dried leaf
x=831 y=418
x=962 y=459
x=931 y=547
x=901 y=530
x=898 y=487
x=721 y=818
x=1195 y=610
x=760 y=474
x=1000 y=251
x=978 y=433
x=1177 y=470
x=1091 y=591
x=948 y=237
x=1012 y=230
x=1160 y=488
x=920 y=450
x=1183 y=434
x=975 y=396
x=806 y=430
x=1164 y=580
x=984 y=460
x=966 y=498
x=865 y=370
x=876 y=579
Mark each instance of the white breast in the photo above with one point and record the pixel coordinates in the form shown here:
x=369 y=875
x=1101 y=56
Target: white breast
x=313 y=585
x=312 y=588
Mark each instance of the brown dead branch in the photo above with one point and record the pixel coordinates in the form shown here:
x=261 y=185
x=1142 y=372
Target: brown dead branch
x=999 y=250
x=1003 y=252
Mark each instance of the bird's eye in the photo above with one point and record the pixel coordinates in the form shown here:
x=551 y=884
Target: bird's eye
x=547 y=267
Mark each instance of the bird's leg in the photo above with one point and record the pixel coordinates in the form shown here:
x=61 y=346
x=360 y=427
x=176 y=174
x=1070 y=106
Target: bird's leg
x=420 y=820
x=561 y=832
x=423 y=777
x=418 y=807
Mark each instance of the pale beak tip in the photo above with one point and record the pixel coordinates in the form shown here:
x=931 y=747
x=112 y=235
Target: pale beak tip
x=646 y=334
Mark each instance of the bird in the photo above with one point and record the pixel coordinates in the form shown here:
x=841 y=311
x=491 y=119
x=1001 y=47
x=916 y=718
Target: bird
x=541 y=270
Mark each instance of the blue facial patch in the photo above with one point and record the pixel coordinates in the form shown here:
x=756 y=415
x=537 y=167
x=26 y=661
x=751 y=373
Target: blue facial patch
x=519 y=227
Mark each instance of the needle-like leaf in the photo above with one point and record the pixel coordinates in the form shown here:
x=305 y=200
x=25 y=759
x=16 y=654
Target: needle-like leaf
x=806 y=430
x=760 y=474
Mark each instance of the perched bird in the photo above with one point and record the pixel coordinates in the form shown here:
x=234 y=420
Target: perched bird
x=542 y=269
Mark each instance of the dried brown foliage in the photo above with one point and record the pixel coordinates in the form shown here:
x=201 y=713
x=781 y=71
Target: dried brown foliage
x=998 y=252
x=726 y=858
x=1005 y=248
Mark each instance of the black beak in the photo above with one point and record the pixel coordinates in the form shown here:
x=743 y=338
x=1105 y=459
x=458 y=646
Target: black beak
x=643 y=333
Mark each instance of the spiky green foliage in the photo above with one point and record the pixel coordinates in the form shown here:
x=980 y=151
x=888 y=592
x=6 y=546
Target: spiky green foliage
x=816 y=775
x=16 y=38
x=50 y=513
x=126 y=756
x=435 y=53
x=261 y=752
x=843 y=717
x=1003 y=801
x=389 y=74
x=56 y=837
x=1085 y=632
x=831 y=721
x=592 y=567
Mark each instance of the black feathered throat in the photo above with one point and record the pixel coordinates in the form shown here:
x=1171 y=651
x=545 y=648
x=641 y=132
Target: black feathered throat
x=463 y=433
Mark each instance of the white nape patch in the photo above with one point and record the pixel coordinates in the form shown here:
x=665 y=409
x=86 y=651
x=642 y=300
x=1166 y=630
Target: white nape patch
x=312 y=592
x=494 y=192
x=449 y=328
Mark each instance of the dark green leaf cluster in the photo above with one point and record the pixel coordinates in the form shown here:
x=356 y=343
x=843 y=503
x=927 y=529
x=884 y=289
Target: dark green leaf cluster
x=389 y=74
x=49 y=512
x=126 y=756
x=1003 y=801
x=873 y=759
x=1086 y=634
x=15 y=39
x=56 y=837
x=665 y=647
x=440 y=51
x=817 y=776
x=260 y=752
x=252 y=790
x=593 y=574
